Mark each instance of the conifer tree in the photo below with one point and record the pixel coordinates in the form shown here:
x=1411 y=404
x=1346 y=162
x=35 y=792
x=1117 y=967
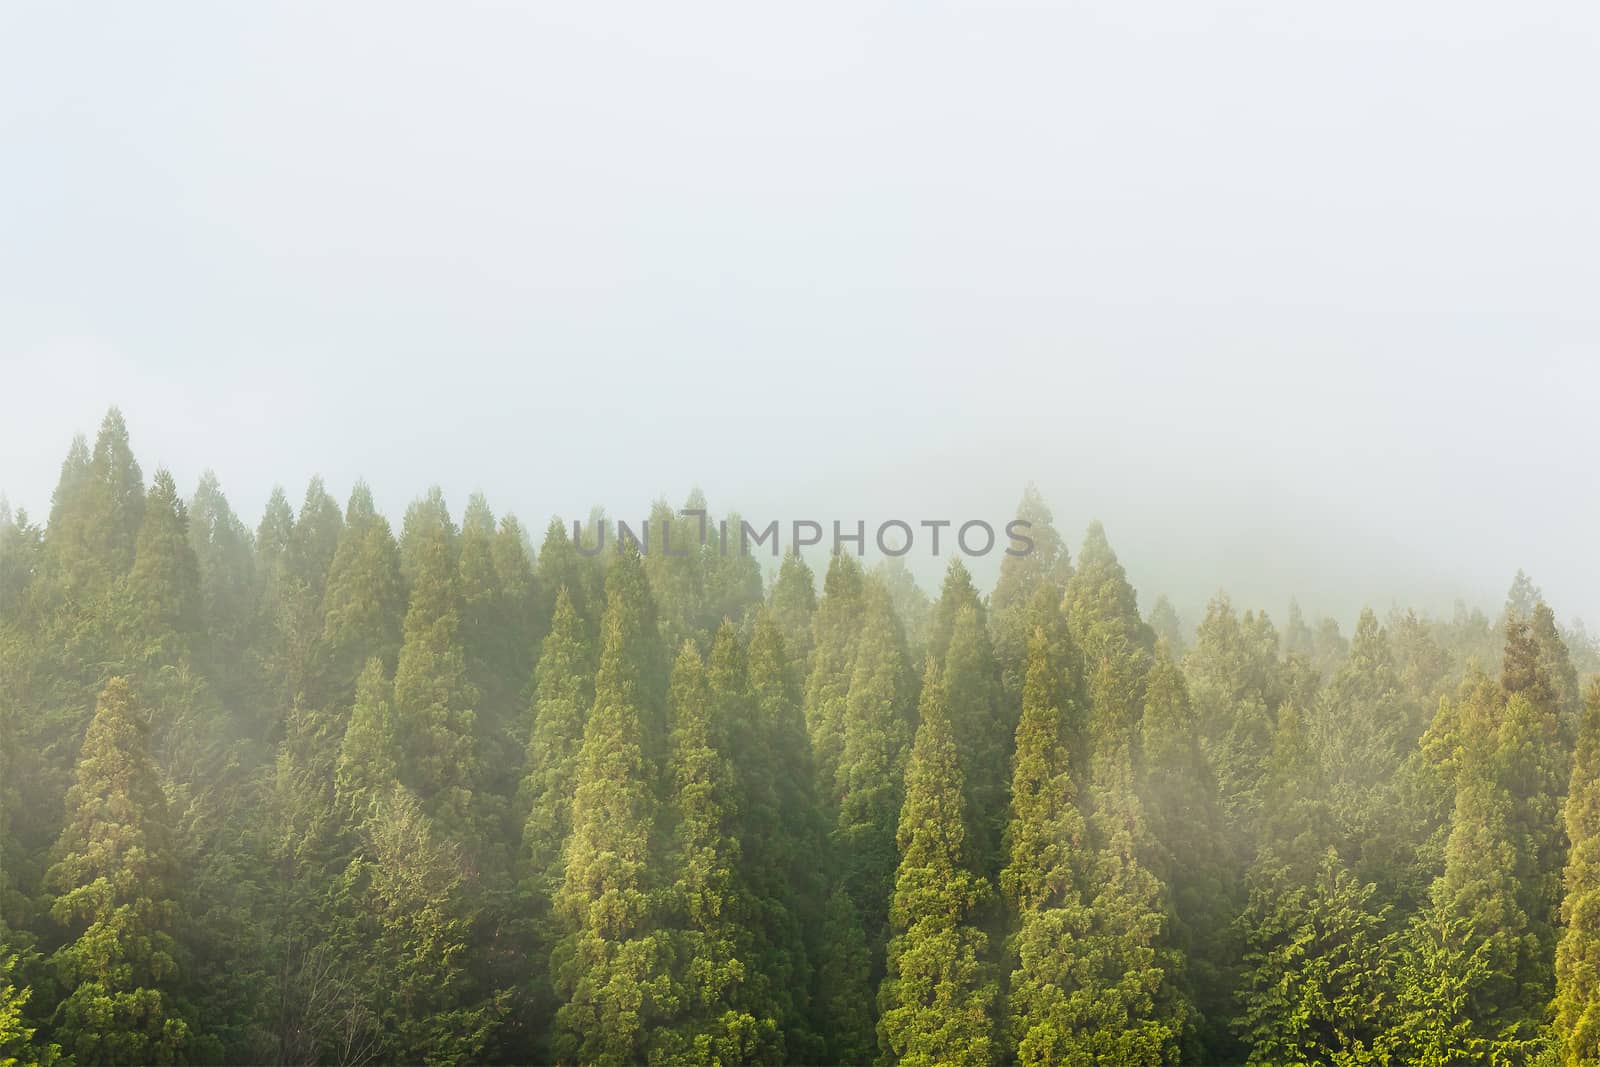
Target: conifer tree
x=1319 y=969
x=1477 y=959
x=563 y=694
x=1191 y=853
x=1236 y=686
x=115 y=503
x=911 y=604
x=610 y=969
x=415 y=887
x=434 y=700
x=1577 y=1004
x=115 y=877
x=18 y=1045
x=1048 y=856
x=1167 y=627
x=1021 y=577
x=163 y=587
x=317 y=527
x=983 y=732
x=561 y=566
x=957 y=594
x=369 y=758
x=363 y=604
x=782 y=831
x=793 y=603
x=1102 y=607
x=844 y=984
x=871 y=775
x=836 y=628
x=226 y=564
x=936 y=998
x=1129 y=1010
x=723 y=1003
x=733 y=577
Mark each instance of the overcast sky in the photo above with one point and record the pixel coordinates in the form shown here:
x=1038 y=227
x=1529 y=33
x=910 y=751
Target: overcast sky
x=1297 y=297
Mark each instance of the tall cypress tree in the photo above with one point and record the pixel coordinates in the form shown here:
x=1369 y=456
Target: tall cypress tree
x=226 y=564
x=363 y=604
x=1130 y=1010
x=1236 y=686
x=116 y=879
x=1021 y=577
x=1191 y=853
x=724 y=1011
x=983 y=734
x=938 y=993
x=957 y=594
x=563 y=694
x=610 y=968
x=836 y=628
x=871 y=776
x=435 y=702
x=793 y=603
x=162 y=591
x=1577 y=1005
x=1048 y=856
x=782 y=831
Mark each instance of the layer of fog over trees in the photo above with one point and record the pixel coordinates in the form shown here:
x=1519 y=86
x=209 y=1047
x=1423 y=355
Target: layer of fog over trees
x=1295 y=302
x=340 y=790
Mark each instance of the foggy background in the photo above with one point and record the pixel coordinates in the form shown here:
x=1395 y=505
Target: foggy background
x=1297 y=298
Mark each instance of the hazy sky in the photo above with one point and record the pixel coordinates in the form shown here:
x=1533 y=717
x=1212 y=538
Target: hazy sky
x=1297 y=297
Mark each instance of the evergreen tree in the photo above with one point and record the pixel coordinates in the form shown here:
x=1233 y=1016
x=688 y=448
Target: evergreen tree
x=18 y=1047
x=844 y=983
x=782 y=831
x=315 y=540
x=1021 y=577
x=793 y=603
x=226 y=563
x=877 y=730
x=1577 y=1005
x=162 y=591
x=610 y=968
x=115 y=876
x=363 y=604
x=369 y=756
x=958 y=594
x=836 y=628
x=1319 y=970
x=723 y=1003
x=416 y=889
x=982 y=731
x=1236 y=686
x=1129 y=1010
x=434 y=700
x=1048 y=857
x=1191 y=853
x=935 y=1000
x=563 y=694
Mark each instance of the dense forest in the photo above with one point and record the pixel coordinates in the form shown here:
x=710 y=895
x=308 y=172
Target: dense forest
x=328 y=793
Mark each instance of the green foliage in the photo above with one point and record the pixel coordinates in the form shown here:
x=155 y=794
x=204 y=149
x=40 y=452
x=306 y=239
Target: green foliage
x=1577 y=1006
x=836 y=627
x=1319 y=967
x=428 y=801
x=877 y=733
x=936 y=999
x=114 y=878
x=610 y=968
